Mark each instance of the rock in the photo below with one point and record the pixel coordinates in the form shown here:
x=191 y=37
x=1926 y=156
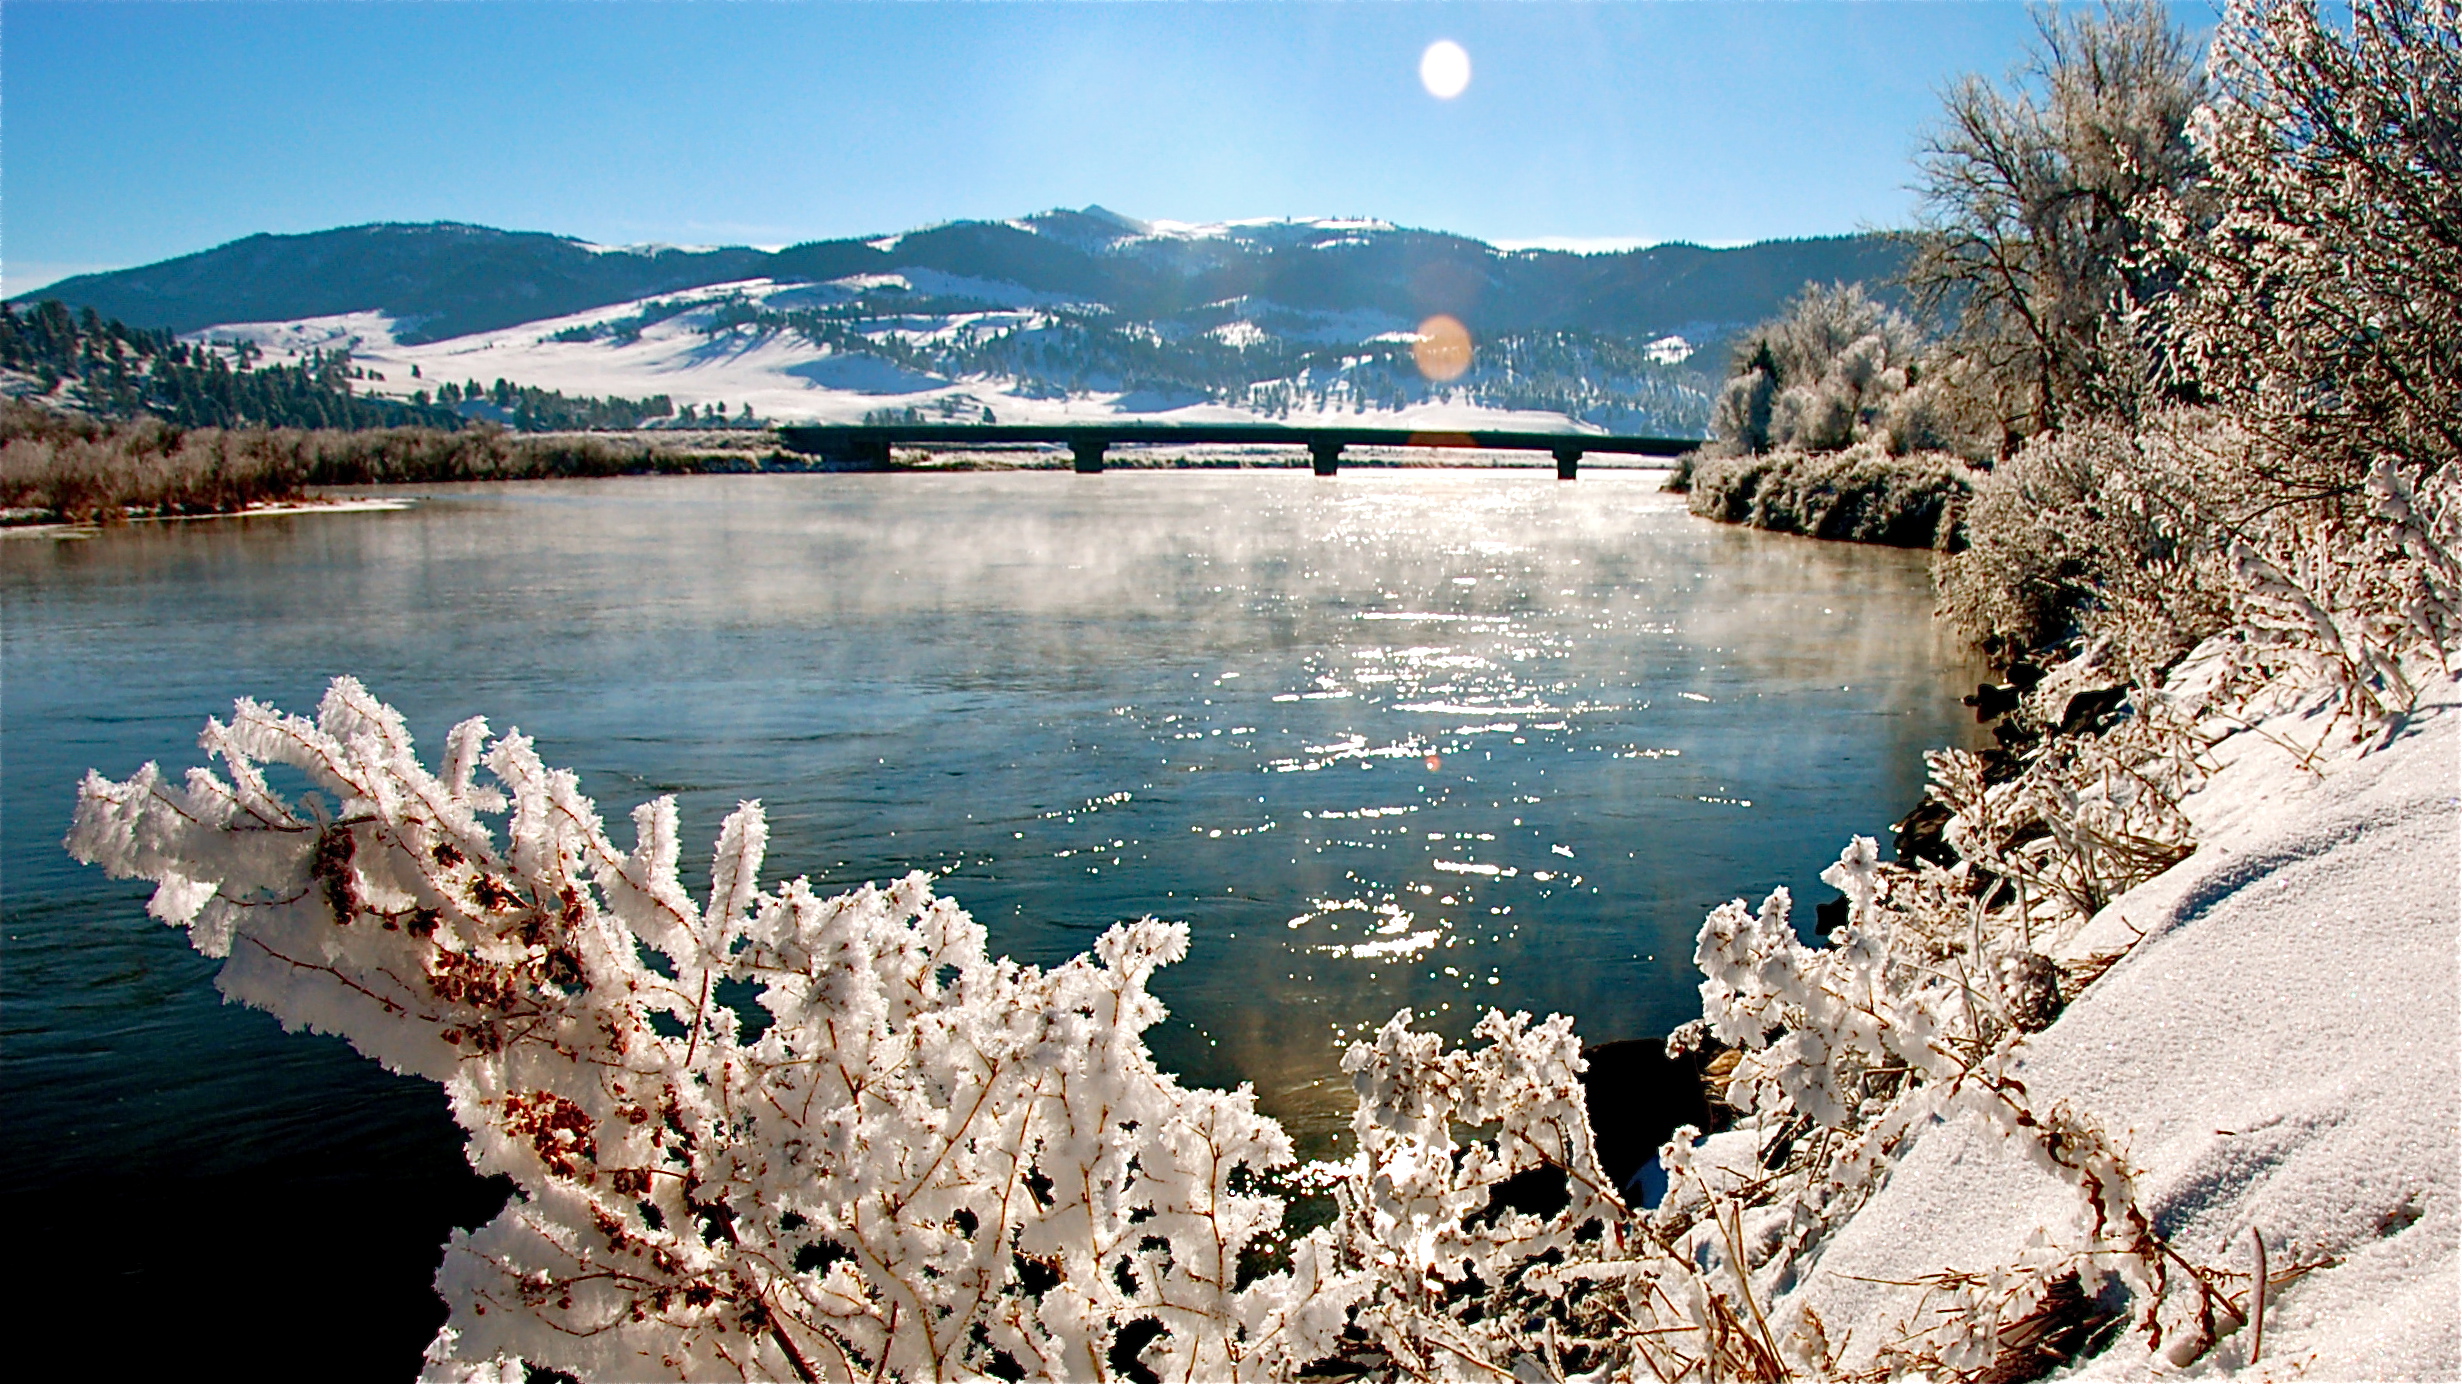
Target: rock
x=1919 y=835
x=2092 y=711
x=1993 y=699
x=2030 y=982
x=1637 y=1096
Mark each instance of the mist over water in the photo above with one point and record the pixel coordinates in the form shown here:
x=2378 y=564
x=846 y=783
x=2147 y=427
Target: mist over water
x=1448 y=740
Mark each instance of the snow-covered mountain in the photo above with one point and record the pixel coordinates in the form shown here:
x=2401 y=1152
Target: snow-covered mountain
x=1062 y=314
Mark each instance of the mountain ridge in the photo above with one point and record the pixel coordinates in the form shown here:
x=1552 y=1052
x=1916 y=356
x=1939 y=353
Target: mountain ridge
x=446 y=279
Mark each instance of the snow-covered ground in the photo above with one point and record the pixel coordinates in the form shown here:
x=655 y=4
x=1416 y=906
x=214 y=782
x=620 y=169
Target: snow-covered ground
x=2278 y=1054
x=786 y=378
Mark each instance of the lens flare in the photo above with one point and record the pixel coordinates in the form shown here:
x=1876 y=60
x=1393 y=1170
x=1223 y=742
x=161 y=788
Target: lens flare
x=1444 y=69
x=1443 y=348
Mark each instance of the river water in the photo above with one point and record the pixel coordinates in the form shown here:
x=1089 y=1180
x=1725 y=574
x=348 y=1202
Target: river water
x=1443 y=739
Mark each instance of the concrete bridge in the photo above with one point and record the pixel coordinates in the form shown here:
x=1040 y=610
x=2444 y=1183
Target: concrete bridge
x=869 y=444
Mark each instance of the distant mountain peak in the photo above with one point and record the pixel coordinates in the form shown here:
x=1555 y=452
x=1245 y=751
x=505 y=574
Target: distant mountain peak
x=1097 y=211
x=1093 y=228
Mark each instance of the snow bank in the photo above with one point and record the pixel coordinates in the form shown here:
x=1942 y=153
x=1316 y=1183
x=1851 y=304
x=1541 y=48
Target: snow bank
x=2279 y=1051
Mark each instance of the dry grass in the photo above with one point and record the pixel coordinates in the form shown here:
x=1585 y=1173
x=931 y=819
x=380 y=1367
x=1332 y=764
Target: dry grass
x=65 y=468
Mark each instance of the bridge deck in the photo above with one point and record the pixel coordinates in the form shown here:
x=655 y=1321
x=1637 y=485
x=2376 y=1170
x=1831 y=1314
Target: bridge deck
x=836 y=438
x=870 y=443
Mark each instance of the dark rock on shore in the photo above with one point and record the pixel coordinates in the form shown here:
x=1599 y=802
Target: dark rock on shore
x=1637 y=1097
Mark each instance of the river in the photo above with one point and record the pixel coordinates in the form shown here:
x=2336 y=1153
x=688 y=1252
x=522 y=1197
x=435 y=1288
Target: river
x=1443 y=739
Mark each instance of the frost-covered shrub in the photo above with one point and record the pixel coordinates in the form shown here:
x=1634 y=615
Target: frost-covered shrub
x=1863 y=494
x=916 y=1160
x=2129 y=547
x=2362 y=600
x=1847 y=1053
x=1449 y=1274
x=920 y=1161
x=2105 y=530
x=1827 y=428
x=2088 y=819
x=2146 y=541
x=1834 y=370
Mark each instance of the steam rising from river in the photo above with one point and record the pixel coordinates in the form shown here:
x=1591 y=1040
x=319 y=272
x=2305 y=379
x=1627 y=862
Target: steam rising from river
x=1437 y=739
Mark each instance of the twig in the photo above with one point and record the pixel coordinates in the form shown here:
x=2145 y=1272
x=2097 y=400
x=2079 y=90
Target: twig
x=1743 y=1278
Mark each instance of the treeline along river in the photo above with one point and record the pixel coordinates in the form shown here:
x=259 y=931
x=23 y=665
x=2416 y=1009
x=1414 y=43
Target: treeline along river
x=1445 y=740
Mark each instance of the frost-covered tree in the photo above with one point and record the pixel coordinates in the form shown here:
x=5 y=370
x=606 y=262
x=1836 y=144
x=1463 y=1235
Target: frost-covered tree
x=2313 y=503
x=2321 y=303
x=2037 y=210
x=1836 y=368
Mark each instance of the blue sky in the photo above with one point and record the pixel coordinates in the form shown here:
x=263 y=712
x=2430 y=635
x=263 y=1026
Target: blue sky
x=132 y=132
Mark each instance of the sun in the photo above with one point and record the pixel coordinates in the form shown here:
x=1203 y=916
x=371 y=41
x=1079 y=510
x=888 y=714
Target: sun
x=1444 y=69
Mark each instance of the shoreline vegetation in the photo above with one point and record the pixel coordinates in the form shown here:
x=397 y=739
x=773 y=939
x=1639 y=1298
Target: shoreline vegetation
x=1853 y=496
x=65 y=468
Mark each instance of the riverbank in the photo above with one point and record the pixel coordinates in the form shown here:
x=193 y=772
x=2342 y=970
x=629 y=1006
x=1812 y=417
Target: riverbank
x=11 y=527
x=2274 y=1050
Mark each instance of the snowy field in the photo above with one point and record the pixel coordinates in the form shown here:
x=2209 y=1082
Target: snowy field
x=786 y=378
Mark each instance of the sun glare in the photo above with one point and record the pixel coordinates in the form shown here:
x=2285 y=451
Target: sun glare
x=1443 y=348
x=1444 y=69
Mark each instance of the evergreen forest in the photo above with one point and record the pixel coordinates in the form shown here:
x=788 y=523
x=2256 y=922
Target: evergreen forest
x=105 y=368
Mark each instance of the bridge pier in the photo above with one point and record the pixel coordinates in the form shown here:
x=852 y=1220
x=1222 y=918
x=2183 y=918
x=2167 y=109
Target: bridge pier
x=1087 y=455
x=1568 y=462
x=858 y=455
x=1326 y=457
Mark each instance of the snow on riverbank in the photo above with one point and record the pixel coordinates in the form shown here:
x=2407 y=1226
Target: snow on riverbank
x=2278 y=1052
x=257 y=511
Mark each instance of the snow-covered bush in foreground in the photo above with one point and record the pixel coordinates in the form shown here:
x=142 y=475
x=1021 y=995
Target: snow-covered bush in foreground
x=924 y=1163
x=916 y=1162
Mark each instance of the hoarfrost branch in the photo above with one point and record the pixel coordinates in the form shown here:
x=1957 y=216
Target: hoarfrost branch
x=929 y=1162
